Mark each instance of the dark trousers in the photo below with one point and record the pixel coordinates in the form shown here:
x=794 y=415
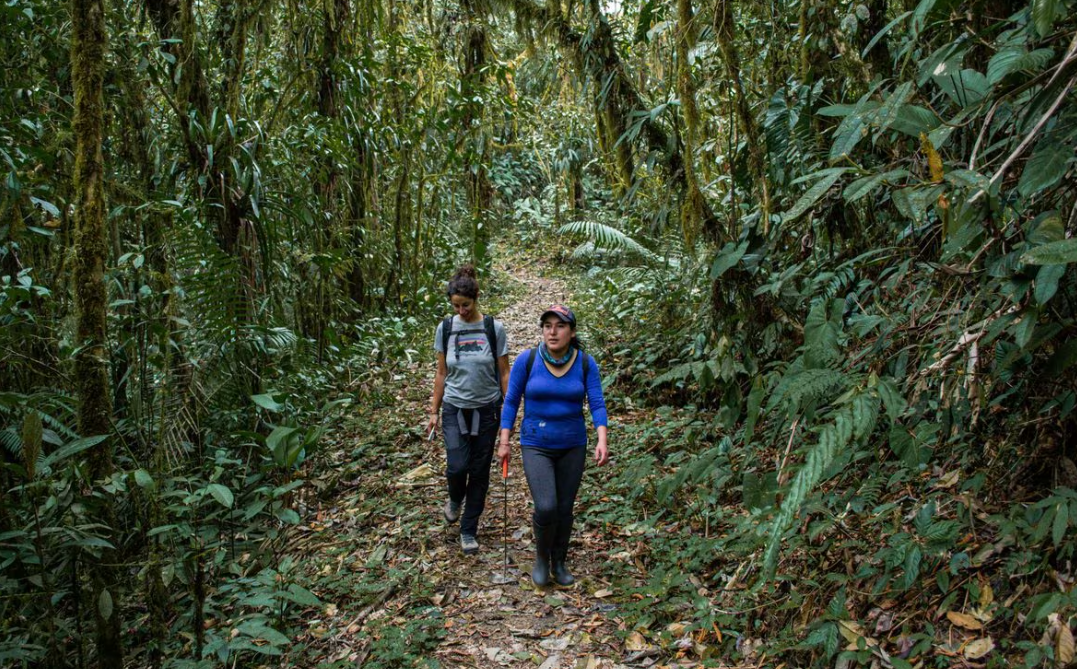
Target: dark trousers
x=554 y=475
x=468 y=458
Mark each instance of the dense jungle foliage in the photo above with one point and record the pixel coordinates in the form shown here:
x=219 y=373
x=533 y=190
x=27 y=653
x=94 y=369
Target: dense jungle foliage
x=829 y=244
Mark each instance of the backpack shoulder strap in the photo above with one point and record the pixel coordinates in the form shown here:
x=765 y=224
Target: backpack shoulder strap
x=446 y=331
x=530 y=363
x=491 y=336
x=585 y=359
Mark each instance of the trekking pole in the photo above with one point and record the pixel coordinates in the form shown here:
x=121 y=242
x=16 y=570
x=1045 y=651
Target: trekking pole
x=505 y=525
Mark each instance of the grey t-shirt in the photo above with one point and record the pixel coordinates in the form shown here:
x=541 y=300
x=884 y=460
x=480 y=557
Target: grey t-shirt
x=472 y=379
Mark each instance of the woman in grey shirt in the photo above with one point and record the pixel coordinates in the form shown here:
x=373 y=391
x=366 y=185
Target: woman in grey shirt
x=471 y=379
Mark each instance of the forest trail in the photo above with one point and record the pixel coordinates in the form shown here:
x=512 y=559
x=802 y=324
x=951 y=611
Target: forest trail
x=390 y=522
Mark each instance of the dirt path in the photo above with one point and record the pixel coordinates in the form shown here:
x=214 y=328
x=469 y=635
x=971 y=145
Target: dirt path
x=488 y=612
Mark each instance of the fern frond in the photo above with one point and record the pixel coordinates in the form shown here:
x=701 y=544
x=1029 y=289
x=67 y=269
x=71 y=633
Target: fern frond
x=12 y=442
x=853 y=422
x=870 y=490
x=799 y=388
x=681 y=372
x=608 y=237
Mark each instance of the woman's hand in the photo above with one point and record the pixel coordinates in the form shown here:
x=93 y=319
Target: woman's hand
x=503 y=451
x=602 y=453
x=432 y=424
x=503 y=448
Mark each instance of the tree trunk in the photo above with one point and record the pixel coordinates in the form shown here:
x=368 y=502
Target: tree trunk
x=723 y=29
x=472 y=82
x=693 y=204
x=88 y=46
x=360 y=191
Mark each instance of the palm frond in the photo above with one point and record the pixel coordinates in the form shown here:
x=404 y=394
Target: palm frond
x=608 y=238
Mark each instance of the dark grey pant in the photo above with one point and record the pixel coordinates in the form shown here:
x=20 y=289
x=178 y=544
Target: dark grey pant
x=554 y=475
x=468 y=458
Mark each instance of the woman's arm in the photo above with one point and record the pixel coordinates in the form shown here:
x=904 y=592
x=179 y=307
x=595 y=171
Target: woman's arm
x=599 y=417
x=513 y=395
x=439 y=394
x=595 y=398
x=503 y=374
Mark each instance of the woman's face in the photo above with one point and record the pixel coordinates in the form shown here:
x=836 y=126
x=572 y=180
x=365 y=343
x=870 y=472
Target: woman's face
x=465 y=307
x=557 y=334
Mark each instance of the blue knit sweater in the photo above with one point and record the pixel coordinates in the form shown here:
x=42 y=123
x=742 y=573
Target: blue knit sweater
x=553 y=411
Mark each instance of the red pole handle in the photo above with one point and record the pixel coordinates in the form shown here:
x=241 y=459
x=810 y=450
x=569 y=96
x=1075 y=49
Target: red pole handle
x=505 y=468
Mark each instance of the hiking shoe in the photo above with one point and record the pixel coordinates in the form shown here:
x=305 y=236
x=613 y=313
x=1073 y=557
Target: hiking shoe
x=452 y=511
x=469 y=544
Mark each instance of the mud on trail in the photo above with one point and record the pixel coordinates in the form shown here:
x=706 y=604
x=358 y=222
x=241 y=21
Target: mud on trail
x=396 y=588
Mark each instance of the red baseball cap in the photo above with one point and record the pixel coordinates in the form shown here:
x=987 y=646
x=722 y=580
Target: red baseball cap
x=562 y=312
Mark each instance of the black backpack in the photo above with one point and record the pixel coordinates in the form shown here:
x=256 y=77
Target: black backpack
x=531 y=363
x=487 y=327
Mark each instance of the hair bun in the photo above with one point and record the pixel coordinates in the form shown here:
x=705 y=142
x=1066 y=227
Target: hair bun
x=466 y=271
x=465 y=282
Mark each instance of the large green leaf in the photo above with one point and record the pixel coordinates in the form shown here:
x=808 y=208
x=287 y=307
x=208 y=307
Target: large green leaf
x=968 y=179
x=913 y=120
x=1053 y=253
x=812 y=195
x=888 y=113
x=837 y=111
x=729 y=256
x=755 y=401
x=914 y=202
x=1046 y=167
x=259 y=629
x=850 y=131
x=882 y=33
x=73 y=448
x=1044 y=13
x=222 y=494
x=865 y=185
x=278 y=443
x=302 y=596
x=1045 y=228
x=965 y=87
x=1035 y=61
x=1016 y=59
x=920 y=15
x=266 y=401
x=1003 y=63
x=943 y=61
x=1047 y=282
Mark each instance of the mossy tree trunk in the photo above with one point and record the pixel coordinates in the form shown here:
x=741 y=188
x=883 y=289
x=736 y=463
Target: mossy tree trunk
x=723 y=30
x=693 y=205
x=472 y=90
x=88 y=46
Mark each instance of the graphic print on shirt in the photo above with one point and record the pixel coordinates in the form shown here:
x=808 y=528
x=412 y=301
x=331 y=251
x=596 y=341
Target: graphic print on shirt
x=468 y=343
x=471 y=345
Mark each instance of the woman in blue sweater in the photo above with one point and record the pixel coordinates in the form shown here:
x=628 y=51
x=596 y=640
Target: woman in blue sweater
x=553 y=434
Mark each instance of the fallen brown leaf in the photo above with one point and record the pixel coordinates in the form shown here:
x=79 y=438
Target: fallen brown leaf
x=979 y=648
x=964 y=620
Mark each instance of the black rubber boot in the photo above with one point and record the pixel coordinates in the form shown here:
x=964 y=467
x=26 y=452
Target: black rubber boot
x=540 y=572
x=559 y=553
